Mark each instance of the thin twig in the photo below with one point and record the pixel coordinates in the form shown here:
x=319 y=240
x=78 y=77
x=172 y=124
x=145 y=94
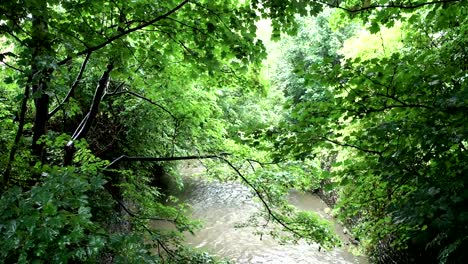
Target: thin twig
x=145 y=99
x=378 y=153
x=12 y=67
x=259 y=195
x=390 y=5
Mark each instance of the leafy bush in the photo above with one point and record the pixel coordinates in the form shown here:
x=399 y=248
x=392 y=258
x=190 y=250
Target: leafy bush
x=52 y=222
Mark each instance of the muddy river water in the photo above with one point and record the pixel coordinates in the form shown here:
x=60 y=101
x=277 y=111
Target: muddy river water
x=221 y=206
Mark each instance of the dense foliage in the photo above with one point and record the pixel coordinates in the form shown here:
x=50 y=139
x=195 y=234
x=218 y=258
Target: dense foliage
x=96 y=96
x=396 y=114
x=85 y=82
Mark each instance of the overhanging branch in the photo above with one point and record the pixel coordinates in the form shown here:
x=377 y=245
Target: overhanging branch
x=154 y=159
x=390 y=5
x=260 y=196
x=126 y=32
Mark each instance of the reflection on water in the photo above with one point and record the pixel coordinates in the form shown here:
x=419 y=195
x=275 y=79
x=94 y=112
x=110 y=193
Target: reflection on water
x=223 y=205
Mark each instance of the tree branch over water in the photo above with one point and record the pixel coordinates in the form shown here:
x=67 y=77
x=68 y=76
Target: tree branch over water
x=258 y=193
x=391 y=4
x=155 y=159
x=265 y=204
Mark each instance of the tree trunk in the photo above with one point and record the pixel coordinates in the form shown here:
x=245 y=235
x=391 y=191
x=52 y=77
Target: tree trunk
x=85 y=125
x=41 y=70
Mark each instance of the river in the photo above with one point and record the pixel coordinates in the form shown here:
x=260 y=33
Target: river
x=221 y=206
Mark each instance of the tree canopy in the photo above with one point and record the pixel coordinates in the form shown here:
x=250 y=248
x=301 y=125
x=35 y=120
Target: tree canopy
x=367 y=100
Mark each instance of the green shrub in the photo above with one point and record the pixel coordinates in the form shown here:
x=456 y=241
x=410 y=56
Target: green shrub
x=51 y=222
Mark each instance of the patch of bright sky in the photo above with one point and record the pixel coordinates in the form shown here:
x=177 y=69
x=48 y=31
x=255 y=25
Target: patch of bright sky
x=264 y=31
x=367 y=45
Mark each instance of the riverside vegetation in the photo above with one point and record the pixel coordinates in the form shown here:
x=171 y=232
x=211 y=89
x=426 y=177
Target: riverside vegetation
x=362 y=101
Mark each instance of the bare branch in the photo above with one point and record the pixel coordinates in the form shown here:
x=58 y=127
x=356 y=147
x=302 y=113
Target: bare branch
x=154 y=159
x=73 y=87
x=251 y=165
